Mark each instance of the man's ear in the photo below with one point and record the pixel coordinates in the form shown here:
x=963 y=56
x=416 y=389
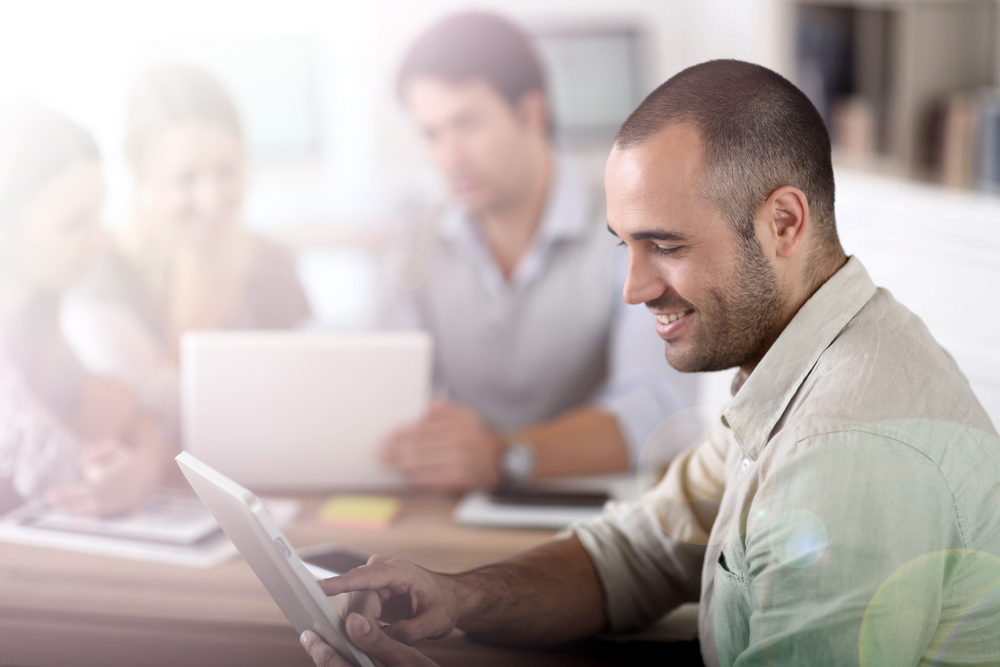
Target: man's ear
x=533 y=110
x=786 y=216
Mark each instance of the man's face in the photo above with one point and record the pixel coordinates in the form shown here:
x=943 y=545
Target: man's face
x=478 y=140
x=718 y=304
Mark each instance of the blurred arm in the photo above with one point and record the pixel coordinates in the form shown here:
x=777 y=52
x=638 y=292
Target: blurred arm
x=579 y=442
x=454 y=449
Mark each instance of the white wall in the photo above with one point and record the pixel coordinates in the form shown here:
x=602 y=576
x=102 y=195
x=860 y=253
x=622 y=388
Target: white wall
x=938 y=252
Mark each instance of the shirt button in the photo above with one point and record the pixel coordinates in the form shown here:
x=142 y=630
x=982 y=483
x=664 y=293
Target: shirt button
x=745 y=464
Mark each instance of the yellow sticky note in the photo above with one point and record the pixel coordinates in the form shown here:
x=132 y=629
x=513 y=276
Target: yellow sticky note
x=359 y=511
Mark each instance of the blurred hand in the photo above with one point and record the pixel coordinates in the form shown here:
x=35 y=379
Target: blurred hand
x=106 y=409
x=115 y=479
x=451 y=449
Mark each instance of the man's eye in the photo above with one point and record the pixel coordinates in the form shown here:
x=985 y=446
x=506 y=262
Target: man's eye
x=660 y=250
x=621 y=243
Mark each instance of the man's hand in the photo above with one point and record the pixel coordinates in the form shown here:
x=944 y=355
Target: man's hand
x=116 y=478
x=548 y=595
x=368 y=637
x=451 y=449
x=417 y=603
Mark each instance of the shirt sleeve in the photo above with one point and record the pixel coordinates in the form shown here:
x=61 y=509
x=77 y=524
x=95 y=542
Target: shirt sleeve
x=641 y=389
x=649 y=554
x=853 y=554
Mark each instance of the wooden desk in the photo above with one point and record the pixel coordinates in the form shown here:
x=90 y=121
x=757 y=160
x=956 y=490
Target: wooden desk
x=60 y=609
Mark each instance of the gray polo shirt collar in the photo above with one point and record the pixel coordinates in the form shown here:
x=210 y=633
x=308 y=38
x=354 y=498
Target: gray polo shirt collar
x=567 y=216
x=760 y=399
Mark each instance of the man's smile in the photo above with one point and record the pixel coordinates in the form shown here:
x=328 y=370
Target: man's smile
x=667 y=318
x=668 y=324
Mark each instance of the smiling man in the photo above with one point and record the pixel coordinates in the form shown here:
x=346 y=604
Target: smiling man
x=844 y=510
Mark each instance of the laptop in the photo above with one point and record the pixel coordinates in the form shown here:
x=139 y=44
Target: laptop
x=301 y=411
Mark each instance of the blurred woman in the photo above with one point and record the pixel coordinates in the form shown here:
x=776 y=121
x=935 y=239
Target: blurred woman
x=182 y=261
x=82 y=441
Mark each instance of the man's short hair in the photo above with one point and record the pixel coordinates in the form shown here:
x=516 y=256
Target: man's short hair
x=759 y=133
x=476 y=45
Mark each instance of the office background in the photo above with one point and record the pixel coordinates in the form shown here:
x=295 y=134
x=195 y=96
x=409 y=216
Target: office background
x=907 y=87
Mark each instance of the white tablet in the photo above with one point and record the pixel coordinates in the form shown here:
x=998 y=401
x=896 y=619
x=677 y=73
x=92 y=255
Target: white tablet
x=242 y=515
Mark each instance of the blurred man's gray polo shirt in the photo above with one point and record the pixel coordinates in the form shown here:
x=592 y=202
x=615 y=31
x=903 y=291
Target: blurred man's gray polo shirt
x=847 y=510
x=556 y=335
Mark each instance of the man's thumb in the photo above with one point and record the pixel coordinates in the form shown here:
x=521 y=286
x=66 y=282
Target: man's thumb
x=369 y=638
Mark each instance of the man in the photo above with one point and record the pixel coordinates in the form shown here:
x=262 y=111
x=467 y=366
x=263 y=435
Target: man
x=843 y=512
x=545 y=370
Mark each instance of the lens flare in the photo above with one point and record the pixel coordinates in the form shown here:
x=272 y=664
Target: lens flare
x=798 y=538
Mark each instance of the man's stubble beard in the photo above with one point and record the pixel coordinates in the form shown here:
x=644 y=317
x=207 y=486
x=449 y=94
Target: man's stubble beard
x=739 y=322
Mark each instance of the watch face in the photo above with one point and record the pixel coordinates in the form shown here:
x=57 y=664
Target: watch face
x=519 y=461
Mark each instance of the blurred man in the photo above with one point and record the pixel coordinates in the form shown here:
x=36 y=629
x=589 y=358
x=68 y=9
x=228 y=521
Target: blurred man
x=842 y=513
x=545 y=370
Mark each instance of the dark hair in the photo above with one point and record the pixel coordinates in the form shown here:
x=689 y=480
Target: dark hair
x=35 y=145
x=476 y=45
x=758 y=131
x=168 y=94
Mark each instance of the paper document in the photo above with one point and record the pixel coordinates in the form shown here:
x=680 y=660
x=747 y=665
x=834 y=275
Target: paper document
x=173 y=517
x=173 y=528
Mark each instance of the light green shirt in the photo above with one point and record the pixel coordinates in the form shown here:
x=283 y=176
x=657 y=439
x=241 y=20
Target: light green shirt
x=846 y=511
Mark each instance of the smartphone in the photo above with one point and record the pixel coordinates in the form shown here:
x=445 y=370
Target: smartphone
x=334 y=558
x=550 y=498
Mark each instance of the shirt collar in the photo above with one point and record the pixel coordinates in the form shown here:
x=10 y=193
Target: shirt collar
x=762 y=397
x=568 y=209
x=567 y=216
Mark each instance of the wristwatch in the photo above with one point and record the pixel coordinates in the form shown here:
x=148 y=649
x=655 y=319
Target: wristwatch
x=517 y=461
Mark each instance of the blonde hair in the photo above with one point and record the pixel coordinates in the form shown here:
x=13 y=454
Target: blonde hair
x=36 y=144
x=168 y=94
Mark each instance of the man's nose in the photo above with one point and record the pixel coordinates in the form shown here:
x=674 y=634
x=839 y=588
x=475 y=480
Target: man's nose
x=642 y=282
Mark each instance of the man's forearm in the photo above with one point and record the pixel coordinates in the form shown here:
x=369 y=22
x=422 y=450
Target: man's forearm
x=546 y=596
x=582 y=441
